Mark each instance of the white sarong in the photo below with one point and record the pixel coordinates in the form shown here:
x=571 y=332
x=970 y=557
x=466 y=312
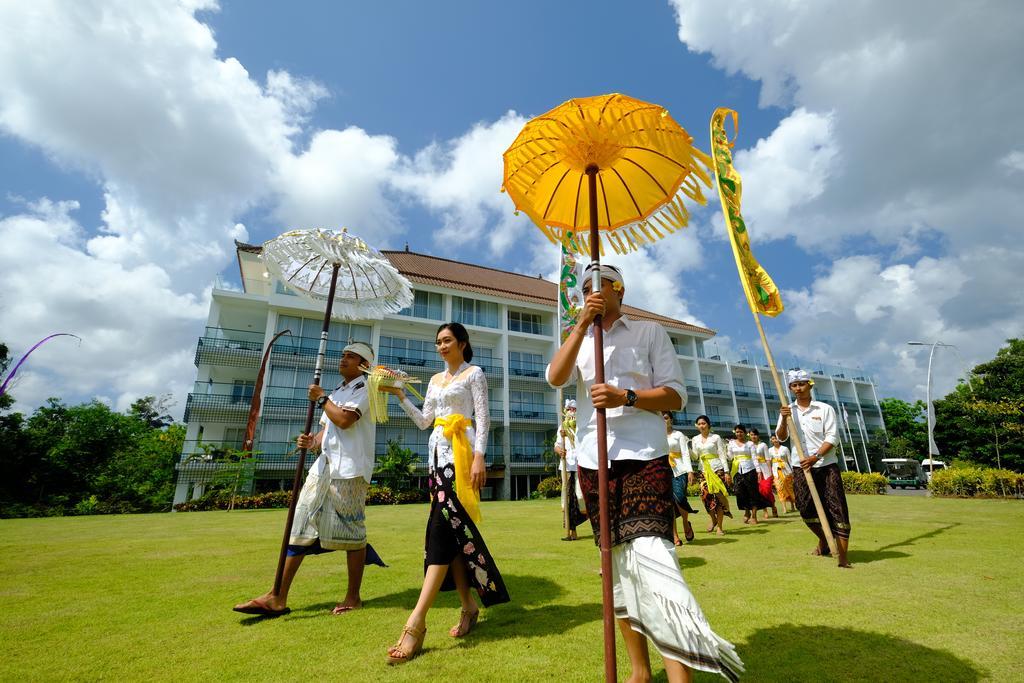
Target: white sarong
x=651 y=593
x=333 y=510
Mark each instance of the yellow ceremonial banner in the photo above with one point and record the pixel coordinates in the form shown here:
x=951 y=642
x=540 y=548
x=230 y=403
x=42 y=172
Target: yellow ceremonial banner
x=762 y=294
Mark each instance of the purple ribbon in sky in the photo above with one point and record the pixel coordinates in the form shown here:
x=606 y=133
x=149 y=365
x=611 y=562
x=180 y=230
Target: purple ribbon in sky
x=3 y=387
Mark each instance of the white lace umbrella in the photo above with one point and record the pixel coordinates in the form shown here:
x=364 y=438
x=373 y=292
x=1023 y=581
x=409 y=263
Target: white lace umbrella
x=354 y=281
x=367 y=286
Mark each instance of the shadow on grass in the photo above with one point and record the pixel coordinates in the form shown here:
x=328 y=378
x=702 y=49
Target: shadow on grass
x=886 y=552
x=793 y=653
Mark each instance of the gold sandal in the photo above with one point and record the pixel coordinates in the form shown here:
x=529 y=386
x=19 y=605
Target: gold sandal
x=467 y=618
x=396 y=655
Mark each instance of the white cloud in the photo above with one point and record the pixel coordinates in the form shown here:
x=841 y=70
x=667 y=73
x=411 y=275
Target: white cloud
x=460 y=180
x=342 y=179
x=136 y=331
x=896 y=139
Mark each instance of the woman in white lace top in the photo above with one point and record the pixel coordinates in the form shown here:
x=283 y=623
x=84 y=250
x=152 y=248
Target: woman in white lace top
x=455 y=556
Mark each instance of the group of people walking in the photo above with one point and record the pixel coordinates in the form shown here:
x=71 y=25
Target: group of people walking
x=649 y=471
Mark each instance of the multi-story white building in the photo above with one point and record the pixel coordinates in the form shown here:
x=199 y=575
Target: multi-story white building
x=510 y=318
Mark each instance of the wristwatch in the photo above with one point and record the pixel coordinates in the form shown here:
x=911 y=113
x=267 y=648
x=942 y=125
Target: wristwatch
x=321 y=401
x=630 y=398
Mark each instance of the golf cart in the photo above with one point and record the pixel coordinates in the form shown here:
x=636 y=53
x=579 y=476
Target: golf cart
x=929 y=465
x=904 y=472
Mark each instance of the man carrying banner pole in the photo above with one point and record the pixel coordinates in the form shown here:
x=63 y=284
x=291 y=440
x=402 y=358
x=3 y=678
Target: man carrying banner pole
x=761 y=293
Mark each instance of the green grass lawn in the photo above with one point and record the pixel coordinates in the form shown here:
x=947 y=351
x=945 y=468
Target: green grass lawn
x=935 y=595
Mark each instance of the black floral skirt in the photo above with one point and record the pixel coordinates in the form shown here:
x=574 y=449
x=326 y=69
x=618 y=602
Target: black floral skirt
x=451 y=534
x=640 y=499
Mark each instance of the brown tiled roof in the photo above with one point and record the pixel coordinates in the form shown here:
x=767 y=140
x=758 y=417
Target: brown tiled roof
x=467 y=277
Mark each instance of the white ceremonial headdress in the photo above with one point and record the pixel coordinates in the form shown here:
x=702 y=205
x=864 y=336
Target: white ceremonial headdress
x=362 y=350
x=570 y=403
x=608 y=272
x=799 y=376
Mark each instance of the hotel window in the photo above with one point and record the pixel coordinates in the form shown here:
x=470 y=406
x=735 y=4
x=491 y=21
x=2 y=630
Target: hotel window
x=528 y=404
x=428 y=305
x=519 y=321
x=525 y=364
x=305 y=334
x=406 y=351
x=473 y=312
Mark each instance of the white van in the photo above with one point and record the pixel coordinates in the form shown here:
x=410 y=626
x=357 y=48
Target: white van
x=930 y=465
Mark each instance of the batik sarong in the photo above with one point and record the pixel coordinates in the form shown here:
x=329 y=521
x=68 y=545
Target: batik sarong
x=576 y=516
x=714 y=501
x=639 y=499
x=784 y=486
x=829 y=483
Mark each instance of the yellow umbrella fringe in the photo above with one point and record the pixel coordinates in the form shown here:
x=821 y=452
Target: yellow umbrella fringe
x=649 y=225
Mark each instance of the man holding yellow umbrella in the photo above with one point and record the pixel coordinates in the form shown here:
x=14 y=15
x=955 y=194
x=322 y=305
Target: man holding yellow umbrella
x=622 y=166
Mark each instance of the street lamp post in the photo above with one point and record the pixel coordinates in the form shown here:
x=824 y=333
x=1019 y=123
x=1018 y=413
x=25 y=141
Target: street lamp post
x=933 y=450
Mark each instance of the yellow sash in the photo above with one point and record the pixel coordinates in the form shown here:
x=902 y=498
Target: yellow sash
x=715 y=485
x=455 y=426
x=736 y=462
x=673 y=458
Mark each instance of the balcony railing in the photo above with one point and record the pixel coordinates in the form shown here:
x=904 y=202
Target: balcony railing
x=216 y=408
x=715 y=388
x=528 y=454
x=224 y=346
x=526 y=369
x=529 y=327
x=528 y=413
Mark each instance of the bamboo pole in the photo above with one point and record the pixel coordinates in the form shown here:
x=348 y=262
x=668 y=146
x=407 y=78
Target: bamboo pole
x=797 y=440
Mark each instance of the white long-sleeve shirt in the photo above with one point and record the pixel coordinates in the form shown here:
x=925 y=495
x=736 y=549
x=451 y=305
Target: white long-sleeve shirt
x=568 y=463
x=679 y=448
x=638 y=355
x=761 y=459
x=464 y=394
x=743 y=454
x=817 y=425
x=711 y=449
x=780 y=460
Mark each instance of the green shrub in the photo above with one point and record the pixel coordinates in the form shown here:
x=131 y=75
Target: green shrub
x=549 y=487
x=412 y=496
x=865 y=483
x=380 y=495
x=977 y=482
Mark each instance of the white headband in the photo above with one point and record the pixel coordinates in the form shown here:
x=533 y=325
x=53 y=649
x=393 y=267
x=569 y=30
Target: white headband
x=570 y=403
x=799 y=376
x=608 y=272
x=362 y=350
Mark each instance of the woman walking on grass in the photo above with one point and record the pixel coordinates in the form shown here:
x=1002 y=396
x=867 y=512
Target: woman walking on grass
x=682 y=476
x=744 y=472
x=456 y=555
x=765 y=479
x=709 y=449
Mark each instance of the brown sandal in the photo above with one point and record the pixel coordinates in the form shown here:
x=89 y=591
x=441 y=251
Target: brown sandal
x=467 y=618
x=396 y=655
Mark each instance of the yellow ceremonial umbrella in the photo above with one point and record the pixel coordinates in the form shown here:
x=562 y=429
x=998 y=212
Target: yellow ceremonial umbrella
x=618 y=169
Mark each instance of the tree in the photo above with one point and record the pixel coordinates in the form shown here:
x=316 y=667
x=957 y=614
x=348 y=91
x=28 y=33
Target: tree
x=395 y=468
x=981 y=420
x=907 y=426
x=153 y=411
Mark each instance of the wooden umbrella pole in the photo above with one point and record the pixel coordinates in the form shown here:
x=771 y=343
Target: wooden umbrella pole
x=798 y=442
x=301 y=464
x=607 y=597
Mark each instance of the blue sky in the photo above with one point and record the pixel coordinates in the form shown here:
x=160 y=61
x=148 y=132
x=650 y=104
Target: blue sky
x=138 y=139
